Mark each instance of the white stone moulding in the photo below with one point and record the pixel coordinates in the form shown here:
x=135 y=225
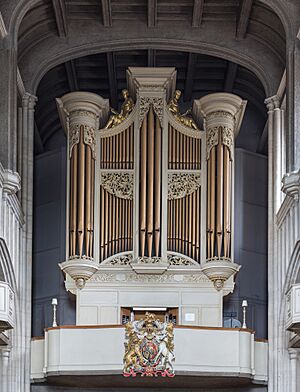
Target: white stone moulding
x=79 y=269
x=88 y=350
x=293 y=309
x=7 y=316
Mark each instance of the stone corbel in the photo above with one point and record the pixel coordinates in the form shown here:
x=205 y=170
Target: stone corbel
x=11 y=182
x=291 y=184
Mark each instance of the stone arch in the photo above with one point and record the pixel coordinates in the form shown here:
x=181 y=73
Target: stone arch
x=22 y=7
x=163 y=44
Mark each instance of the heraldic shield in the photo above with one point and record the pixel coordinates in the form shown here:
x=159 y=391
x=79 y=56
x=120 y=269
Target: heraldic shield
x=149 y=348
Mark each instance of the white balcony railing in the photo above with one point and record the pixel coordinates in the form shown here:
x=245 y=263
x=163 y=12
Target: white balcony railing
x=293 y=308
x=6 y=307
x=199 y=351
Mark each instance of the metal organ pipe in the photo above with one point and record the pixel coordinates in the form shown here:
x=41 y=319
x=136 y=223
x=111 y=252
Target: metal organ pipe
x=143 y=188
x=184 y=212
x=157 y=186
x=150 y=185
x=150 y=180
x=116 y=211
x=81 y=172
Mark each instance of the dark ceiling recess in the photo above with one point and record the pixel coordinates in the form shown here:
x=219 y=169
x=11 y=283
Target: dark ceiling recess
x=105 y=74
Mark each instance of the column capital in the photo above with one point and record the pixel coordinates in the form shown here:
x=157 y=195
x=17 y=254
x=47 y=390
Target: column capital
x=294 y=353
x=29 y=100
x=5 y=352
x=153 y=81
x=219 y=109
x=84 y=107
x=272 y=102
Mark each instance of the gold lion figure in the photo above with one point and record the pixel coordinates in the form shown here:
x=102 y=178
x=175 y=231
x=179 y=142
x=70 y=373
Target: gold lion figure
x=184 y=118
x=133 y=355
x=126 y=108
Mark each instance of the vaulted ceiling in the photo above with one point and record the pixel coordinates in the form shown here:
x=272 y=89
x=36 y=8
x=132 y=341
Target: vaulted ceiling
x=105 y=74
x=63 y=25
x=248 y=18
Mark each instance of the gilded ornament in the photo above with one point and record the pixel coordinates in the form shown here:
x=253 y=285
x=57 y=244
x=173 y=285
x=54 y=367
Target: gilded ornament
x=184 y=118
x=118 y=184
x=117 y=118
x=149 y=348
x=227 y=139
x=182 y=184
x=88 y=136
x=156 y=102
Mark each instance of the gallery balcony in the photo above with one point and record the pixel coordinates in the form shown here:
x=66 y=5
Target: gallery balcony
x=7 y=320
x=206 y=356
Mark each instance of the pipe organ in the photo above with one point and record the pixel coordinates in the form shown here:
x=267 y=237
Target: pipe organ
x=149 y=192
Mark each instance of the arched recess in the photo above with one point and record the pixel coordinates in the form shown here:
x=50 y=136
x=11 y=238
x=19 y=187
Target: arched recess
x=161 y=44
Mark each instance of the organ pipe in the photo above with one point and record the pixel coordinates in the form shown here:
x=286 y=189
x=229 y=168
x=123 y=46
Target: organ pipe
x=184 y=152
x=157 y=186
x=219 y=191
x=150 y=185
x=116 y=211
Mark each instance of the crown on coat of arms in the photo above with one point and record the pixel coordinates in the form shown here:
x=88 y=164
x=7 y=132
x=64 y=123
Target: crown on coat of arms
x=149 y=348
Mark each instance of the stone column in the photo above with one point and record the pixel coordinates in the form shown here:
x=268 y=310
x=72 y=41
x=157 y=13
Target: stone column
x=274 y=148
x=4 y=381
x=293 y=105
x=8 y=104
x=81 y=114
x=25 y=281
x=222 y=113
x=294 y=370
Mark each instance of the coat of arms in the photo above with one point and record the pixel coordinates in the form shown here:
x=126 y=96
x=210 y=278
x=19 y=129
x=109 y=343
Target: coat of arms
x=149 y=348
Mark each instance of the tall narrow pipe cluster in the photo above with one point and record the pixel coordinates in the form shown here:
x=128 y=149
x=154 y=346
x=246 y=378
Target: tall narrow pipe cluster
x=117 y=150
x=80 y=114
x=184 y=152
x=150 y=185
x=116 y=219
x=222 y=114
x=184 y=208
x=219 y=190
x=183 y=225
x=81 y=211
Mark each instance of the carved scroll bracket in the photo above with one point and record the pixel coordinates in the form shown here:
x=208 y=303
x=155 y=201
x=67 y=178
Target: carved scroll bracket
x=182 y=184
x=157 y=103
x=227 y=139
x=118 y=184
x=88 y=137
